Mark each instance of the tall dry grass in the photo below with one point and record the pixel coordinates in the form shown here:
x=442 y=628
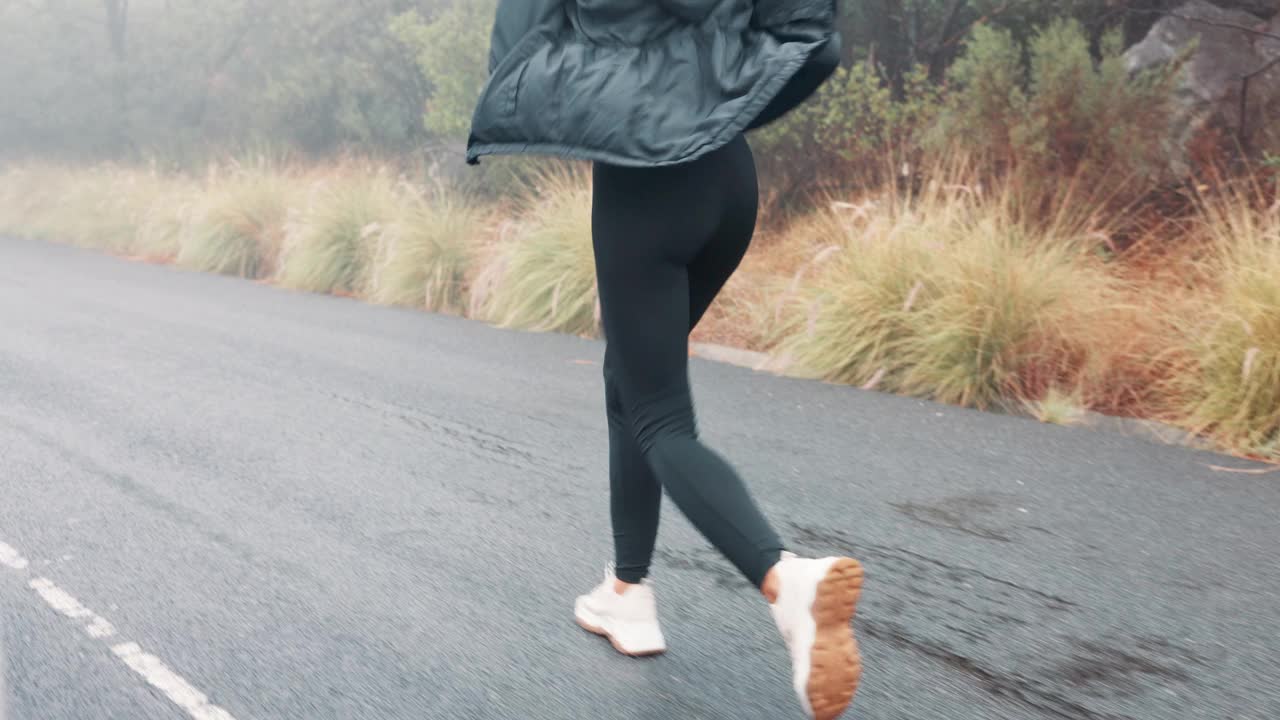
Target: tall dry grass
x=123 y=210
x=947 y=294
x=239 y=223
x=950 y=291
x=425 y=256
x=542 y=275
x=330 y=240
x=1229 y=386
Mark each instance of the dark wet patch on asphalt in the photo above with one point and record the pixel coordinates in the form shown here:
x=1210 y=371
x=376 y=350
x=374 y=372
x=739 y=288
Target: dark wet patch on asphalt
x=1106 y=671
x=975 y=515
x=964 y=619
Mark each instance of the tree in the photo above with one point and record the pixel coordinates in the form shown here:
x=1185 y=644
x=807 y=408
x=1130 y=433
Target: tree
x=452 y=51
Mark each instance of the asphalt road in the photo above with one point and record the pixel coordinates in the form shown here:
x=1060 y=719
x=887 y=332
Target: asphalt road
x=263 y=504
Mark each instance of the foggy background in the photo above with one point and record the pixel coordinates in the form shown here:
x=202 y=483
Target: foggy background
x=185 y=79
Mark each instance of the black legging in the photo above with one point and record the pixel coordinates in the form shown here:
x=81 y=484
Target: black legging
x=666 y=240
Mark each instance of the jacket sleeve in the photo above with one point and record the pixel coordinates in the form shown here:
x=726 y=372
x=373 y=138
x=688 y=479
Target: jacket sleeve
x=809 y=21
x=515 y=19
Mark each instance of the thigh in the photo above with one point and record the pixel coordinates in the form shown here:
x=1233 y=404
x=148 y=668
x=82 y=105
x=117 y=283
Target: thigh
x=645 y=310
x=647 y=225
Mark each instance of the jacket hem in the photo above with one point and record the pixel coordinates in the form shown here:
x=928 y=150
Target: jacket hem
x=737 y=126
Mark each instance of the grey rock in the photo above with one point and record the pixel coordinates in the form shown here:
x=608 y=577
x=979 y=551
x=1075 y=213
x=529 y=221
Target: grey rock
x=1225 y=46
x=1261 y=8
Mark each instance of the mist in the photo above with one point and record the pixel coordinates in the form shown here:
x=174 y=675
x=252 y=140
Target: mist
x=113 y=78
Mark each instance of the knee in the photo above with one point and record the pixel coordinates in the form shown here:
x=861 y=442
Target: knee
x=664 y=417
x=613 y=405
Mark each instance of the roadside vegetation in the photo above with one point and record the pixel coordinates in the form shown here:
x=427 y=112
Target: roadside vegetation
x=988 y=225
x=946 y=293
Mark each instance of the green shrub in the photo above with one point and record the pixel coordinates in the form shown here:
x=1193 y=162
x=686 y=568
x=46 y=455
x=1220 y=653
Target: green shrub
x=986 y=99
x=1065 y=124
x=452 y=50
x=850 y=126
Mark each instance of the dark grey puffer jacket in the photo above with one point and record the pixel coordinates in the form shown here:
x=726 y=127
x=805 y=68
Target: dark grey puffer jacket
x=647 y=82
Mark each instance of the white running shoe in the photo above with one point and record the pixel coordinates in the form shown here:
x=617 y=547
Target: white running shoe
x=629 y=621
x=814 y=612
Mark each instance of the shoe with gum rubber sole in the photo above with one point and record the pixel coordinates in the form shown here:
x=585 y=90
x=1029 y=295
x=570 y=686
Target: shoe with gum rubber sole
x=814 y=612
x=628 y=621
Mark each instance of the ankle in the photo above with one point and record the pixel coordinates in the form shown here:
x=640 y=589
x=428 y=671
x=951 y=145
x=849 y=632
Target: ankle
x=621 y=588
x=771 y=586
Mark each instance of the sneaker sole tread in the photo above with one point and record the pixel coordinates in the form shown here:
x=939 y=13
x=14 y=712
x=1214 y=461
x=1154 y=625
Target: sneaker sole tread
x=835 y=665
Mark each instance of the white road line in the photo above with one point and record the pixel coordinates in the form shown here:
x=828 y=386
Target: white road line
x=151 y=668
x=11 y=558
x=159 y=676
x=60 y=599
x=100 y=628
x=63 y=602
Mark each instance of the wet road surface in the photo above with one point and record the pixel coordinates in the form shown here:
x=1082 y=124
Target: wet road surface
x=224 y=500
